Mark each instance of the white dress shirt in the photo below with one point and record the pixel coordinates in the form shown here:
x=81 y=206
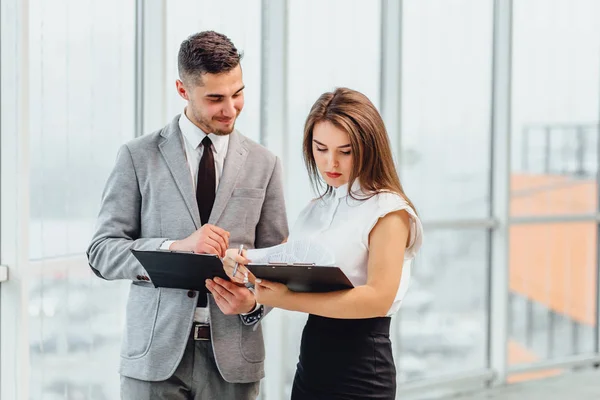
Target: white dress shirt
x=192 y=138
x=343 y=225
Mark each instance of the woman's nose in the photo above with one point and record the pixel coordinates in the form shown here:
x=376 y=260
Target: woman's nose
x=333 y=162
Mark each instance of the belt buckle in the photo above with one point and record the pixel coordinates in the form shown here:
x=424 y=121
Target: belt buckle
x=197 y=331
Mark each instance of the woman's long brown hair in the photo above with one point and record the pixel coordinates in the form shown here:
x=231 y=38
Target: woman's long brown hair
x=373 y=165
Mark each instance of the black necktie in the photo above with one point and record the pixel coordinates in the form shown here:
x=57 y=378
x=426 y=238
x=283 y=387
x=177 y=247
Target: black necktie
x=206 y=185
x=205 y=191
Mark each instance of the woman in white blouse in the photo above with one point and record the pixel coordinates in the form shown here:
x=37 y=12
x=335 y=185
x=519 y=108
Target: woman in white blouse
x=370 y=225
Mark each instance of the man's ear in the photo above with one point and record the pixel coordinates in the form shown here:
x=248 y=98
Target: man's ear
x=181 y=90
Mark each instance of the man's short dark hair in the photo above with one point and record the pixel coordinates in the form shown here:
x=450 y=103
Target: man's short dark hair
x=206 y=52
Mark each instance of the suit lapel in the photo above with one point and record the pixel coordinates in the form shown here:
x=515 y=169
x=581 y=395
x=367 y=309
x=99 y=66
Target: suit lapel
x=174 y=155
x=234 y=160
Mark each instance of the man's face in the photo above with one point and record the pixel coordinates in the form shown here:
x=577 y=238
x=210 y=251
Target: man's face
x=215 y=103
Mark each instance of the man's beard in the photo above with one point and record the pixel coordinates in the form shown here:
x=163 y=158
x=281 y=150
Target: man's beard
x=219 y=132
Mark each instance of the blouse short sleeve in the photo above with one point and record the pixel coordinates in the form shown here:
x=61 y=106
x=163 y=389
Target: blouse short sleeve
x=387 y=202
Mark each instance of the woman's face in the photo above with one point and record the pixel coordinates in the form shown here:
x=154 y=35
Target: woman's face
x=332 y=153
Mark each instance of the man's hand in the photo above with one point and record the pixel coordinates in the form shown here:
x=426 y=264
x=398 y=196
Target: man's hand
x=209 y=239
x=231 y=298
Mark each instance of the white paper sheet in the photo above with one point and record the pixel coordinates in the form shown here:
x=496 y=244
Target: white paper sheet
x=296 y=251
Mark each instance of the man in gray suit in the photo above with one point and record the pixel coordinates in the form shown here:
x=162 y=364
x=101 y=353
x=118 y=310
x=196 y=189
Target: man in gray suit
x=195 y=185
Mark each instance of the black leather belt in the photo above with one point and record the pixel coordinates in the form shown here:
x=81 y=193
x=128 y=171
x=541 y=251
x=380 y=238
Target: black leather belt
x=200 y=331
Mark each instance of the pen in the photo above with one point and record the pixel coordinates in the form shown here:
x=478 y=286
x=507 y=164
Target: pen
x=235 y=267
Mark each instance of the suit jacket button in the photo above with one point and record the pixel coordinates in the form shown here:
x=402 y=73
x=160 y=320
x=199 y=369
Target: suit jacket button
x=191 y=294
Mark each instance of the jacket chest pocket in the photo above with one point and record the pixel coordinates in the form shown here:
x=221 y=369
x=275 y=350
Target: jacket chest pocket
x=249 y=193
x=244 y=206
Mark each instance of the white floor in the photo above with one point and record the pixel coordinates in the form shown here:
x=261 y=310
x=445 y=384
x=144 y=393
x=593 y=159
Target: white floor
x=583 y=385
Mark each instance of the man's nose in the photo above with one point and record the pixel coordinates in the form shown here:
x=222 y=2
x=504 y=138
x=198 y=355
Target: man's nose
x=229 y=109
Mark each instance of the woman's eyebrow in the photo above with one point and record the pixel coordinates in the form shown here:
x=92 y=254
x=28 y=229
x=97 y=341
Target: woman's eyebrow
x=339 y=147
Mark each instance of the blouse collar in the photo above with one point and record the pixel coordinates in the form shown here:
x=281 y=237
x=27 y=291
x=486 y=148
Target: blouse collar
x=342 y=191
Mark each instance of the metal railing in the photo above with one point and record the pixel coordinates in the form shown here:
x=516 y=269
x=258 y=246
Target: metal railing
x=565 y=149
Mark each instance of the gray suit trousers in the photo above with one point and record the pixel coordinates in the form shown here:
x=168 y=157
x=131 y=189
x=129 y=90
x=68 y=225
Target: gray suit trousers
x=197 y=377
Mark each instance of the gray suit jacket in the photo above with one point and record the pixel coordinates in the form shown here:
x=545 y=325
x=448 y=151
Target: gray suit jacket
x=149 y=198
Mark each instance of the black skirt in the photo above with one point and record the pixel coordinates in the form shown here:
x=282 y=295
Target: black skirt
x=345 y=359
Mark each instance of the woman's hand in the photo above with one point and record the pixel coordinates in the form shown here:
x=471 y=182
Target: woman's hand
x=271 y=293
x=242 y=274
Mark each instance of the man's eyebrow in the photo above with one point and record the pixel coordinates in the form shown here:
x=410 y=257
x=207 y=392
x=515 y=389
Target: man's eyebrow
x=220 y=96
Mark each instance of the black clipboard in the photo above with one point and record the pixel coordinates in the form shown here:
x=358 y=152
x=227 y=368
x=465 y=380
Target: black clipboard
x=179 y=270
x=301 y=277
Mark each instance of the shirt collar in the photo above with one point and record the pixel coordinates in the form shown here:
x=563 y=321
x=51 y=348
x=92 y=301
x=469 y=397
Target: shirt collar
x=342 y=191
x=195 y=135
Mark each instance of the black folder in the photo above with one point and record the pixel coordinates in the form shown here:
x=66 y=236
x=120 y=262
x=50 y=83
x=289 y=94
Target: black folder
x=301 y=277
x=179 y=270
